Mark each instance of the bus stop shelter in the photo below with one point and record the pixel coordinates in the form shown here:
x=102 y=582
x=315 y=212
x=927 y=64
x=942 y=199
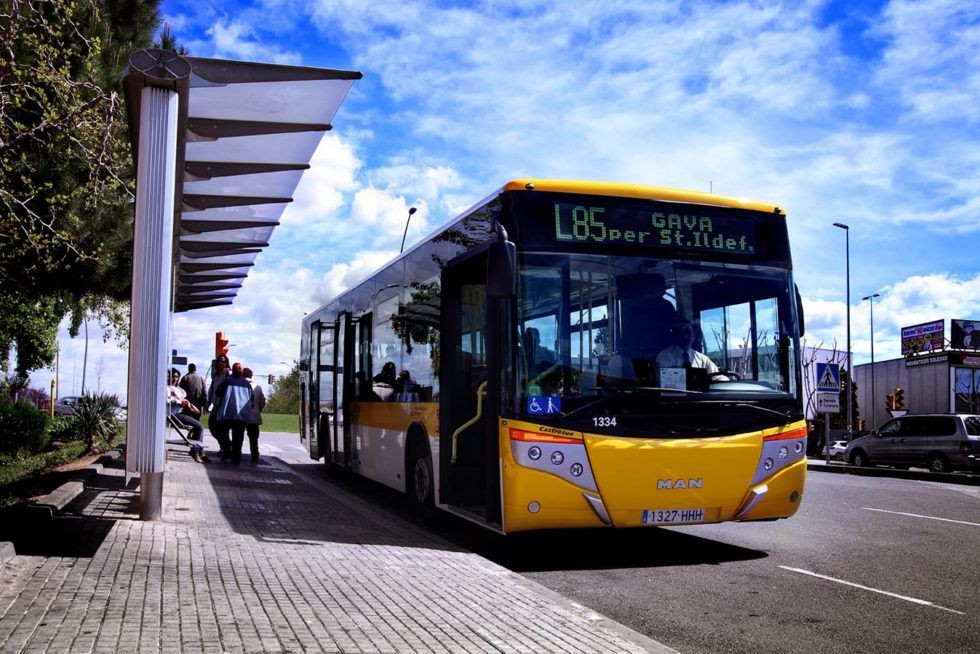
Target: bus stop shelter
x=219 y=147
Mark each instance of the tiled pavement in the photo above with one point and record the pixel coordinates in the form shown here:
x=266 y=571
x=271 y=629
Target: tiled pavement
x=262 y=559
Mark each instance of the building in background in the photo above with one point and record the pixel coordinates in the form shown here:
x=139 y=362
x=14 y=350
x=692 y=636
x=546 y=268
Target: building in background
x=936 y=379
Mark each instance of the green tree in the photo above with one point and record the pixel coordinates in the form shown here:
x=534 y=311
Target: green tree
x=66 y=184
x=284 y=395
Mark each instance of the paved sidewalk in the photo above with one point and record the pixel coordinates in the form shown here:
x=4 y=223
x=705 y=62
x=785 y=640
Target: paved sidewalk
x=262 y=559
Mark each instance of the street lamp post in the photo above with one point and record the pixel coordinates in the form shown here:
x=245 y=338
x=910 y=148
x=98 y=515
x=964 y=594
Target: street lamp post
x=850 y=374
x=411 y=210
x=874 y=393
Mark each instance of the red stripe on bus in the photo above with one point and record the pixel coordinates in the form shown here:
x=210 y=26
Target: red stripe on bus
x=787 y=435
x=536 y=437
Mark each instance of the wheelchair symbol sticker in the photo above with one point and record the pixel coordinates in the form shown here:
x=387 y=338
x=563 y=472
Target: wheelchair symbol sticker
x=543 y=405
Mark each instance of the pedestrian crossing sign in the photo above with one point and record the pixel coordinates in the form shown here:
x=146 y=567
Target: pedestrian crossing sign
x=828 y=378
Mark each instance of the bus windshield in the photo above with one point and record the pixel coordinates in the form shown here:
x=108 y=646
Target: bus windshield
x=664 y=331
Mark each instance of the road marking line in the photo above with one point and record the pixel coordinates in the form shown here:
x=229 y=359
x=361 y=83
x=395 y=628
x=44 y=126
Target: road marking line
x=928 y=517
x=914 y=600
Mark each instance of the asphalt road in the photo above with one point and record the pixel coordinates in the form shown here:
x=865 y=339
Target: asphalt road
x=867 y=565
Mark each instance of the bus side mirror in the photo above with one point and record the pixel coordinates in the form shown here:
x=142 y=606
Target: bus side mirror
x=303 y=365
x=799 y=309
x=501 y=267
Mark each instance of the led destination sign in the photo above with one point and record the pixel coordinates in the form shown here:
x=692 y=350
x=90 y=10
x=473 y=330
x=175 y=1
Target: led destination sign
x=694 y=229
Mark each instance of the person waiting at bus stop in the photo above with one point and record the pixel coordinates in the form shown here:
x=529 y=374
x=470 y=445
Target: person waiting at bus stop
x=182 y=411
x=682 y=353
x=217 y=430
x=255 y=416
x=234 y=407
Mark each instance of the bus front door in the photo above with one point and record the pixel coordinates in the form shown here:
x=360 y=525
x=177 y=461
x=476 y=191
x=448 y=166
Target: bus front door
x=321 y=405
x=466 y=434
x=340 y=449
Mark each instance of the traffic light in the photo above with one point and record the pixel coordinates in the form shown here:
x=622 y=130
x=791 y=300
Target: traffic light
x=899 y=398
x=890 y=401
x=272 y=380
x=220 y=345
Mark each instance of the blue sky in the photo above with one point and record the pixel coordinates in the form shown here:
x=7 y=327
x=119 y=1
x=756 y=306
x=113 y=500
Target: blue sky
x=863 y=113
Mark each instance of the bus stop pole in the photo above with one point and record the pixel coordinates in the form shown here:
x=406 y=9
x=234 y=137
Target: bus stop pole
x=826 y=435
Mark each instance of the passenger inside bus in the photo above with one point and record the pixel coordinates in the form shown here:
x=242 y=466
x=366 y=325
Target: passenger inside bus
x=539 y=358
x=406 y=390
x=364 y=391
x=384 y=381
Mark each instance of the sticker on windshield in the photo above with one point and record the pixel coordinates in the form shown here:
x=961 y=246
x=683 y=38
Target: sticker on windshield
x=674 y=378
x=538 y=404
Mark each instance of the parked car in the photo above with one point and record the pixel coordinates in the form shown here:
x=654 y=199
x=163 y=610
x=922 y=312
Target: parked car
x=836 y=450
x=66 y=405
x=939 y=441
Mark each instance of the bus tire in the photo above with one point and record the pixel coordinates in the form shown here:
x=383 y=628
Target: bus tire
x=418 y=474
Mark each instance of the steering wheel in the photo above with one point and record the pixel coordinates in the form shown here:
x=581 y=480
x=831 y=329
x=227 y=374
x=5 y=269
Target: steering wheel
x=725 y=373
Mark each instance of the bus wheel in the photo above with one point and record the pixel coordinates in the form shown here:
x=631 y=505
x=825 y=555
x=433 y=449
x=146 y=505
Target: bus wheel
x=420 y=477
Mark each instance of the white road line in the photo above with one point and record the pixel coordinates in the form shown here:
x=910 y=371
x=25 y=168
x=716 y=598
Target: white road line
x=914 y=600
x=927 y=517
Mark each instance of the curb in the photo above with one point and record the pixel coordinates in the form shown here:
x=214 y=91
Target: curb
x=940 y=477
x=55 y=502
x=6 y=553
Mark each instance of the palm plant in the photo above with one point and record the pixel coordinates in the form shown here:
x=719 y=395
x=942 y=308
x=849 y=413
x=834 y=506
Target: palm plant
x=95 y=417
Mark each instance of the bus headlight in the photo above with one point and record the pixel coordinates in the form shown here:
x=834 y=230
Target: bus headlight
x=783 y=452
x=799 y=446
x=534 y=453
x=767 y=464
x=557 y=458
x=576 y=469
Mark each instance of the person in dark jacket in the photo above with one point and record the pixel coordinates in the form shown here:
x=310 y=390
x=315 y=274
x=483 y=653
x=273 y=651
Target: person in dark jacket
x=219 y=431
x=233 y=398
x=193 y=385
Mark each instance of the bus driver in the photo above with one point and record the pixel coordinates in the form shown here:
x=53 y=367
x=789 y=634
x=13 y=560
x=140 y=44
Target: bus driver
x=682 y=353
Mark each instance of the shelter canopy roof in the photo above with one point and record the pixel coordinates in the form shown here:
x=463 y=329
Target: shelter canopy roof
x=247 y=131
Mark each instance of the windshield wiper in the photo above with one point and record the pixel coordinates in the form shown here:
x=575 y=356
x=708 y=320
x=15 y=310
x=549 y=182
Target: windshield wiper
x=619 y=391
x=787 y=415
x=625 y=390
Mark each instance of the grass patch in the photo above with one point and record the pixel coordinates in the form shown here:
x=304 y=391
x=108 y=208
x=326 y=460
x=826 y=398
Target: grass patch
x=13 y=469
x=285 y=422
x=24 y=476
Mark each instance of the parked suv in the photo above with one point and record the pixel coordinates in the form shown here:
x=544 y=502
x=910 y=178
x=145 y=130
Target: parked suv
x=941 y=442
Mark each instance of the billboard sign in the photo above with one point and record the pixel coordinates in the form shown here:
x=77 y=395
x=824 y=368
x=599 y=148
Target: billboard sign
x=926 y=337
x=965 y=334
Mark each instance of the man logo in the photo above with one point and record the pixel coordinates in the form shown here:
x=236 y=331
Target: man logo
x=674 y=484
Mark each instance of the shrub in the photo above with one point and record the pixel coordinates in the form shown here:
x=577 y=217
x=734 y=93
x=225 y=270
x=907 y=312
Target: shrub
x=63 y=428
x=95 y=418
x=23 y=429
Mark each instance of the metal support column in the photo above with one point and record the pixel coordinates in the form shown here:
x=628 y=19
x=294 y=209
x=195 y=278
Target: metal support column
x=153 y=237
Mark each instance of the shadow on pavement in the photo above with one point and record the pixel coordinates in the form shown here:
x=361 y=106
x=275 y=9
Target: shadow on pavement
x=271 y=503
x=566 y=549
x=609 y=549
x=84 y=525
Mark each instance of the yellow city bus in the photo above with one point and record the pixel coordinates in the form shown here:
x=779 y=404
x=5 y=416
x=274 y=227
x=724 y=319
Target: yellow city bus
x=572 y=354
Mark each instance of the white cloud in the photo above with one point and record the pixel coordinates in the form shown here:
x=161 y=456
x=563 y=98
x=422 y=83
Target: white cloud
x=234 y=39
x=933 y=58
x=323 y=188
x=343 y=276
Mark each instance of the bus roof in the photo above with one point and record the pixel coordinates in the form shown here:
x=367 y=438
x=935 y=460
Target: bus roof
x=637 y=191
